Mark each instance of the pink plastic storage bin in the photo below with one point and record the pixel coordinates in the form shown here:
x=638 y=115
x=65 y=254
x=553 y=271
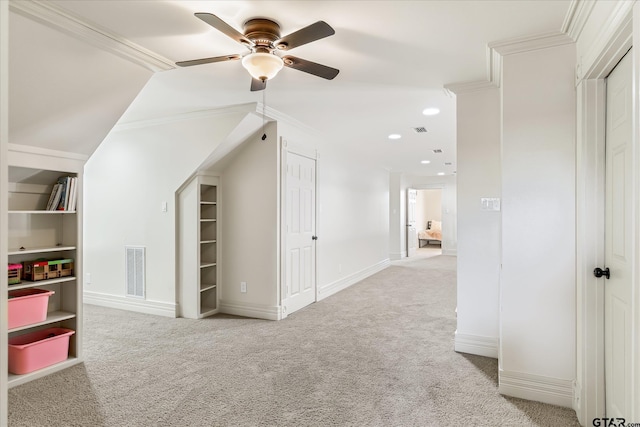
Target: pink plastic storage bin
x=27 y=306
x=37 y=350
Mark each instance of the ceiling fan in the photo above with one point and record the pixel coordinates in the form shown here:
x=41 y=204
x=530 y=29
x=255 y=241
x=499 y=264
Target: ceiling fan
x=262 y=38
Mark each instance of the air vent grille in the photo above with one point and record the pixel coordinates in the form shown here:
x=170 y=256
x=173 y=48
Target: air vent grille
x=134 y=266
x=420 y=129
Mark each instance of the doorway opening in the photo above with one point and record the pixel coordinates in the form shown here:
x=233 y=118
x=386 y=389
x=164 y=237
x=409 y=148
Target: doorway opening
x=429 y=222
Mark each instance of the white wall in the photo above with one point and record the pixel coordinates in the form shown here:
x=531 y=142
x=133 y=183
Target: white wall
x=397 y=248
x=354 y=220
x=248 y=207
x=478 y=284
x=428 y=207
x=538 y=223
x=126 y=180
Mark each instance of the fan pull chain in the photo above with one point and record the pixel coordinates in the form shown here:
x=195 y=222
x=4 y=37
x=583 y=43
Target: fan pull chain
x=264 y=117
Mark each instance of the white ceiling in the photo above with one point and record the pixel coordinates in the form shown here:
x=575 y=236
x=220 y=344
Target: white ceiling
x=394 y=59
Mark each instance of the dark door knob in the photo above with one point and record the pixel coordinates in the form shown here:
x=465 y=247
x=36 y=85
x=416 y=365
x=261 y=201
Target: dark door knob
x=314 y=237
x=598 y=272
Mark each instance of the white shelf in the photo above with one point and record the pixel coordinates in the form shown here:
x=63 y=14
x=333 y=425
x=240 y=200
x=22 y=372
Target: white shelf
x=208 y=203
x=42 y=212
x=29 y=284
x=207 y=241
x=208 y=220
x=15 y=380
x=205 y=287
x=207 y=264
x=40 y=249
x=52 y=317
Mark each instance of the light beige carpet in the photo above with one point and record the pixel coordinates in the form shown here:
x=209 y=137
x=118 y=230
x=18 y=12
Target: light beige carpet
x=377 y=354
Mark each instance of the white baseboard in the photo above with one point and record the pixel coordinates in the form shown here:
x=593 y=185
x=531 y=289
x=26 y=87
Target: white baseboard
x=476 y=344
x=131 y=304
x=257 y=311
x=396 y=256
x=450 y=252
x=341 y=284
x=554 y=391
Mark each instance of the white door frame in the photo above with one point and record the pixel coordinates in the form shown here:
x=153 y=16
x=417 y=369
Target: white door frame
x=287 y=147
x=589 y=394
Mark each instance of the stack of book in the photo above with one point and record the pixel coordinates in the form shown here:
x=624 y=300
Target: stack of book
x=63 y=195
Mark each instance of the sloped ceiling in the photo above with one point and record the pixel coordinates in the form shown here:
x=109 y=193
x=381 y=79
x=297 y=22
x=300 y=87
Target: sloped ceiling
x=394 y=59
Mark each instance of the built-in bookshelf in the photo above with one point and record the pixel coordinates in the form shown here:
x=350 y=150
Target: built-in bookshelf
x=38 y=230
x=199 y=247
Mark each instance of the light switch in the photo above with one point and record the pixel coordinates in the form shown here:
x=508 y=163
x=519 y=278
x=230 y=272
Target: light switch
x=164 y=206
x=490 y=204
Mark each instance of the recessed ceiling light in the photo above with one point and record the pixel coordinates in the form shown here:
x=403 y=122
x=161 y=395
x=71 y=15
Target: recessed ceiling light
x=431 y=111
x=395 y=136
x=440 y=173
x=425 y=162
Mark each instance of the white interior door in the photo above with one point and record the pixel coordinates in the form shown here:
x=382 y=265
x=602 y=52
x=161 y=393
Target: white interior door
x=618 y=328
x=412 y=232
x=300 y=231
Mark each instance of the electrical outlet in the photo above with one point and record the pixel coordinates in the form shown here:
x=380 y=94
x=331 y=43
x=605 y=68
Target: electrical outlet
x=243 y=287
x=87 y=278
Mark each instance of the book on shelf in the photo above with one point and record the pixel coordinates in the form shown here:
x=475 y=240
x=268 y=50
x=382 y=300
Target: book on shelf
x=52 y=198
x=63 y=194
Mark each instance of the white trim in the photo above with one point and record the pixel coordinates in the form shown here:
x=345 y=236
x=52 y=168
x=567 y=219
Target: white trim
x=576 y=17
x=608 y=48
x=613 y=42
x=555 y=391
x=137 y=305
x=341 y=284
x=256 y=311
x=250 y=107
x=450 y=252
x=282 y=117
x=62 y=20
x=530 y=43
x=496 y=50
x=397 y=256
x=29 y=149
x=467 y=87
x=476 y=344
x=590 y=169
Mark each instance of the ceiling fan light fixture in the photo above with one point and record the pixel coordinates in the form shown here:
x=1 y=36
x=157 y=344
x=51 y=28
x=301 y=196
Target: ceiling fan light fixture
x=262 y=66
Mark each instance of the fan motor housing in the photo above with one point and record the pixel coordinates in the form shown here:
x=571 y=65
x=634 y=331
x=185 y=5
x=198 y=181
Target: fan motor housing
x=262 y=31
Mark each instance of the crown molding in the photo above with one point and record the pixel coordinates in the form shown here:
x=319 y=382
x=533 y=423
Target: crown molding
x=495 y=52
x=73 y=25
x=576 y=17
x=247 y=108
x=614 y=39
x=467 y=87
x=30 y=149
x=530 y=43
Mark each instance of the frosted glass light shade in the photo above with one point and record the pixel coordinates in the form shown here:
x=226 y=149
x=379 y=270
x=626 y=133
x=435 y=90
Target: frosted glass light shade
x=262 y=66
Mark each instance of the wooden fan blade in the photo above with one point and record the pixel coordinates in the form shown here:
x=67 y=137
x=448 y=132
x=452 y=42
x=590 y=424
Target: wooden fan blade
x=224 y=28
x=313 y=32
x=258 y=85
x=310 y=67
x=208 y=60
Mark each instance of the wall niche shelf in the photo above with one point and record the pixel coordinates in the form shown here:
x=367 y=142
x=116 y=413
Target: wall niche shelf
x=199 y=247
x=35 y=233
